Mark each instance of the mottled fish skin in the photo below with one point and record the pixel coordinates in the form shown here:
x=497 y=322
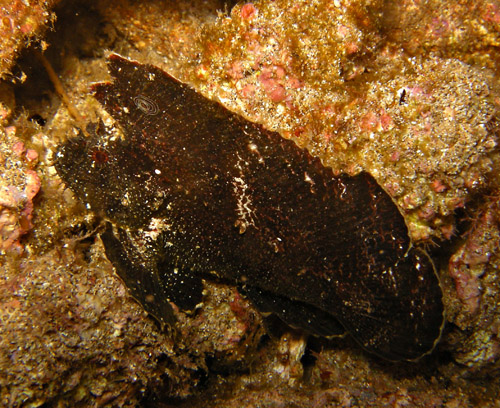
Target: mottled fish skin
x=191 y=190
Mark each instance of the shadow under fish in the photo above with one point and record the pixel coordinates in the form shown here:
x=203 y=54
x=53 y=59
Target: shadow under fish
x=190 y=190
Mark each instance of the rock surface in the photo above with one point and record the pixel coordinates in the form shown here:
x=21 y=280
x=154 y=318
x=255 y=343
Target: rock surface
x=408 y=92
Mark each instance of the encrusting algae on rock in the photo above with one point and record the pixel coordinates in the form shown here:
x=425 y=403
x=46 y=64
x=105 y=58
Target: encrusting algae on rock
x=19 y=185
x=363 y=85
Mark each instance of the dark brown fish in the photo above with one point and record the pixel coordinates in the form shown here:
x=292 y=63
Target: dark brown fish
x=191 y=190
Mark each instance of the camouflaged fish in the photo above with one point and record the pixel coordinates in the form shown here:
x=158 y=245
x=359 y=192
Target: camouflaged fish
x=190 y=190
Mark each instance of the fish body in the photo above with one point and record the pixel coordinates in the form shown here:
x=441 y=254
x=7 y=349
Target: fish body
x=190 y=190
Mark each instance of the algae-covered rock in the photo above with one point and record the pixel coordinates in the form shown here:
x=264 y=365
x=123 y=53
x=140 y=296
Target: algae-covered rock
x=408 y=91
x=20 y=23
x=474 y=306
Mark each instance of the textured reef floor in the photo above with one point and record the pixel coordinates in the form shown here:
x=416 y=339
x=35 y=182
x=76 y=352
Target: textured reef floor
x=408 y=92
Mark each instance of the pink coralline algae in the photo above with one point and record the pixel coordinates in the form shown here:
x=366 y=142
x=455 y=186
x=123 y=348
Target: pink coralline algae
x=20 y=22
x=270 y=81
x=468 y=265
x=18 y=187
x=473 y=269
x=466 y=269
x=248 y=11
x=405 y=90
